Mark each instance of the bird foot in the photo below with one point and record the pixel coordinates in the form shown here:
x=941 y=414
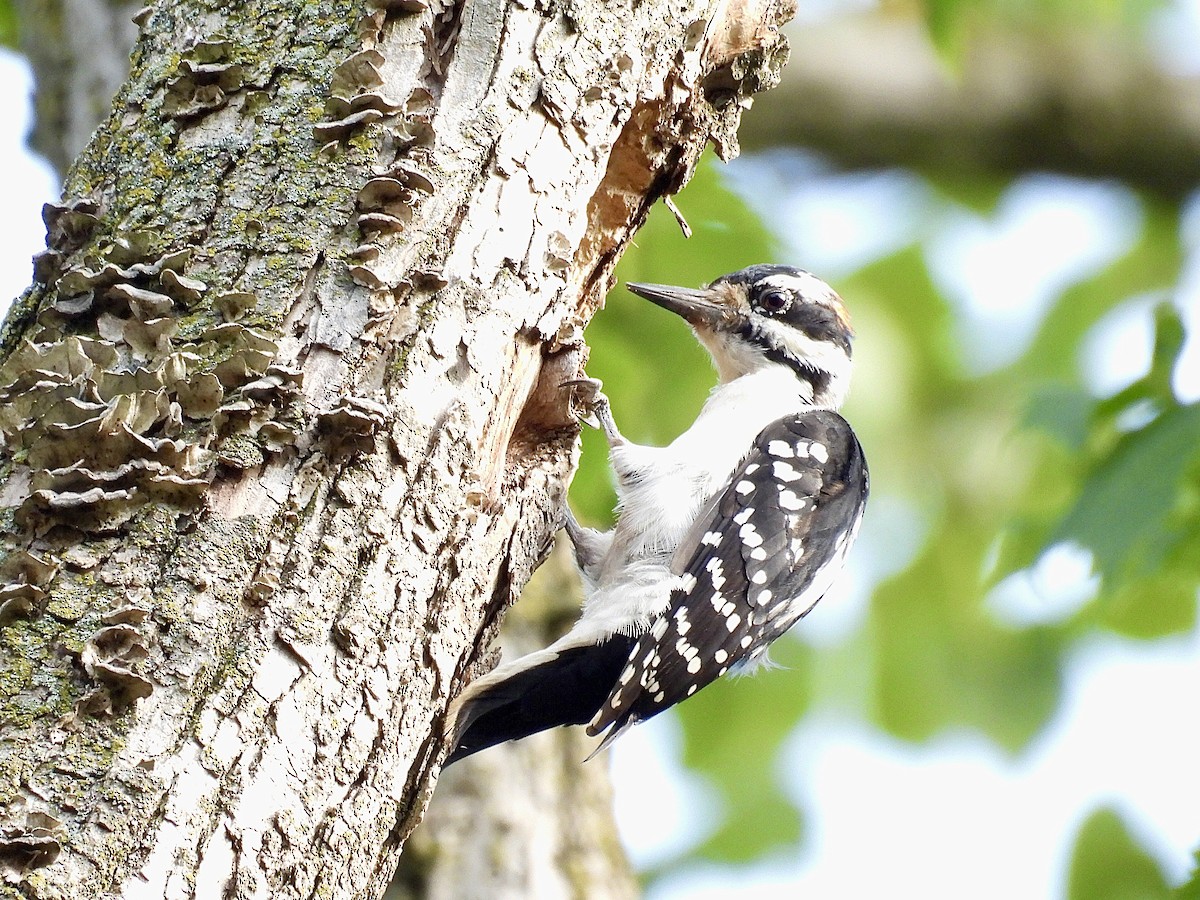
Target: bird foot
x=588 y=398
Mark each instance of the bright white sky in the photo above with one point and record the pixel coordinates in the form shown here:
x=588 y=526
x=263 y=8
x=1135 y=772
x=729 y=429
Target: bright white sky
x=954 y=818
x=28 y=182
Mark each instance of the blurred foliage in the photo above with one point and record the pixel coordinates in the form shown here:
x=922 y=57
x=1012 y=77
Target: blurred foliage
x=996 y=469
x=950 y=22
x=1191 y=889
x=759 y=815
x=1109 y=864
x=8 y=24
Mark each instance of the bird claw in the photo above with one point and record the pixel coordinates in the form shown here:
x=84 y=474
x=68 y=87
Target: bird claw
x=570 y=524
x=585 y=397
x=588 y=398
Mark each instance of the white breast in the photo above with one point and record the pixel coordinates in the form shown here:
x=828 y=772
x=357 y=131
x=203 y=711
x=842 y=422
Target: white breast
x=672 y=484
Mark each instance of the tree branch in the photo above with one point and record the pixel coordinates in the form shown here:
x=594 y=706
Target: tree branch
x=869 y=91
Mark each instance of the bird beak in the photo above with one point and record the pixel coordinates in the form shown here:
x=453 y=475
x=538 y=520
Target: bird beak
x=696 y=307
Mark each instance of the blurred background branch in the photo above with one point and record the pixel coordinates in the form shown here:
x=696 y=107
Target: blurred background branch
x=872 y=90
x=79 y=51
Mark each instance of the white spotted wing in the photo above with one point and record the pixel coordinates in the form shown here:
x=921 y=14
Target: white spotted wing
x=764 y=552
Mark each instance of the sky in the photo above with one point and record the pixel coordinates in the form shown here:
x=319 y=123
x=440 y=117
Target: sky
x=28 y=182
x=886 y=818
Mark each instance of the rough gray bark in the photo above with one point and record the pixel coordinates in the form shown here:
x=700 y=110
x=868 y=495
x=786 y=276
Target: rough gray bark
x=870 y=91
x=282 y=420
x=497 y=817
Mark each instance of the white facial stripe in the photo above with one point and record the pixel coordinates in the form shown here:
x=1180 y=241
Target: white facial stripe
x=824 y=355
x=808 y=286
x=734 y=358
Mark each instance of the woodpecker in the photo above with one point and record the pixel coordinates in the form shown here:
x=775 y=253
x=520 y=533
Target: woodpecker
x=725 y=538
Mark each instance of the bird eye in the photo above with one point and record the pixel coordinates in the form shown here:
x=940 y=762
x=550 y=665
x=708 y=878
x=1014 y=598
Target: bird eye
x=774 y=301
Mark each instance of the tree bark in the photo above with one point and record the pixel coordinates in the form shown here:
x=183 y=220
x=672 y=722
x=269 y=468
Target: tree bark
x=283 y=427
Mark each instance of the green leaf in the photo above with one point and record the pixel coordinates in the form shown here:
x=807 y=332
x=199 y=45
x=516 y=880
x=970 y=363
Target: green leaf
x=8 y=25
x=900 y=287
x=1061 y=411
x=943 y=19
x=1154 y=388
x=1123 y=508
x=941 y=663
x=758 y=818
x=1131 y=507
x=1160 y=604
x=1109 y=864
x=1190 y=889
x=1169 y=337
x=950 y=445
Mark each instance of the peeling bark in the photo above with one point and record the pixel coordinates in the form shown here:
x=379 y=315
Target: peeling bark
x=282 y=422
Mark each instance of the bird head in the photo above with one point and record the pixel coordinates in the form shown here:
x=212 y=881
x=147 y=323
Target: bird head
x=768 y=316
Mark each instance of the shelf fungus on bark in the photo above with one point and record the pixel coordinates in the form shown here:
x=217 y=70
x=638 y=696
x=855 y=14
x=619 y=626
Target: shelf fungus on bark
x=23 y=580
x=109 y=657
x=204 y=82
x=351 y=426
x=33 y=843
x=354 y=99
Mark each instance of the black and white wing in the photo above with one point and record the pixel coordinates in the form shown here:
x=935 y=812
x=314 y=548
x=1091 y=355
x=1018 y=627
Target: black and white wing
x=766 y=551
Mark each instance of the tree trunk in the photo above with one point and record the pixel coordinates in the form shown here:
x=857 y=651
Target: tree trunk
x=283 y=429
x=865 y=90
x=524 y=819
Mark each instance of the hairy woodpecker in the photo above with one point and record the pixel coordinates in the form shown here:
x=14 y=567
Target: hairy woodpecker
x=725 y=538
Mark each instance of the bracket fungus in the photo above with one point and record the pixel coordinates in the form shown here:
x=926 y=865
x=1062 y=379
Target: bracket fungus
x=33 y=844
x=351 y=425
x=204 y=82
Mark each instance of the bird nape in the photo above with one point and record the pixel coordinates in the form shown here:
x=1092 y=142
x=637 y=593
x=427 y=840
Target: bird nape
x=726 y=537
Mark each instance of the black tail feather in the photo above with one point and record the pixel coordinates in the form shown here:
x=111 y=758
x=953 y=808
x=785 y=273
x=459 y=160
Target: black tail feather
x=567 y=690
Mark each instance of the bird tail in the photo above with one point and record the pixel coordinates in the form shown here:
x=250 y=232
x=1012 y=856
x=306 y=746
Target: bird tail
x=564 y=687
